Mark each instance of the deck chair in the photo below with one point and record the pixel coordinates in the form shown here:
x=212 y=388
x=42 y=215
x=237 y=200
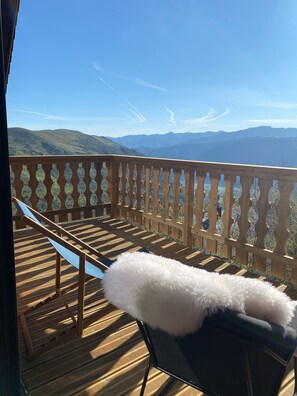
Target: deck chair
x=74 y=251
x=232 y=354
x=195 y=335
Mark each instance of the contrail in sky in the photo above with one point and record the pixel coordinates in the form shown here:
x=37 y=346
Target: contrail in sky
x=142 y=83
x=133 y=109
x=45 y=115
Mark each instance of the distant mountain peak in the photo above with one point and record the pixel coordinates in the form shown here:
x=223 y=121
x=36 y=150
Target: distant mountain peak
x=263 y=145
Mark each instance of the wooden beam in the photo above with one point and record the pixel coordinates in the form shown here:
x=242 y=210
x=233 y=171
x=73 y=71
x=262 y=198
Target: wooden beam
x=10 y=383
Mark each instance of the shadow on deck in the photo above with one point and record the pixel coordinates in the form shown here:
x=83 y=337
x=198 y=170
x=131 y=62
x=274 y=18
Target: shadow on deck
x=110 y=358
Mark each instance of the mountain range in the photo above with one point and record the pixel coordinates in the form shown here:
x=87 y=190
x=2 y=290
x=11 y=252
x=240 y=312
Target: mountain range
x=61 y=142
x=260 y=146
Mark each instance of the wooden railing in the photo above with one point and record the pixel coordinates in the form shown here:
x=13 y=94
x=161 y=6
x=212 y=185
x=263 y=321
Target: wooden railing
x=65 y=187
x=244 y=213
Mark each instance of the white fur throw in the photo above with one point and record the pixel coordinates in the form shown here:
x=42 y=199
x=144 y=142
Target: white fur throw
x=176 y=298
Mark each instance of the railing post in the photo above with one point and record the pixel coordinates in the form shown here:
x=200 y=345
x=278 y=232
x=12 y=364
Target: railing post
x=188 y=206
x=114 y=187
x=226 y=250
x=281 y=231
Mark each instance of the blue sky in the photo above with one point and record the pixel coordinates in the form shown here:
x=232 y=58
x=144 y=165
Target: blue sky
x=119 y=67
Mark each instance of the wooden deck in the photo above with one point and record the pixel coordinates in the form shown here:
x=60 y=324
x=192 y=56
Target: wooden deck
x=110 y=358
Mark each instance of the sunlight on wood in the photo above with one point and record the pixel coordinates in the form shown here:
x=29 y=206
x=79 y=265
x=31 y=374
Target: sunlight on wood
x=111 y=357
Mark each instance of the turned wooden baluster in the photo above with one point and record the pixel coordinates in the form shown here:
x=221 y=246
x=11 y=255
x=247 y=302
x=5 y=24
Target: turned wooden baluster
x=17 y=170
x=32 y=183
x=99 y=191
x=125 y=187
x=138 y=215
x=130 y=192
x=18 y=184
x=124 y=184
x=105 y=192
x=175 y=203
x=261 y=227
x=113 y=186
x=87 y=180
x=199 y=211
x=87 y=167
x=243 y=222
x=281 y=231
x=226 y=250
x=75 y=194
x=48 y=184
x=62 y=196
x=147 y=200
x=131 y=184
x=138 y=186
x=165 y=203
x=156 y=188
x=188 y=207
x=213 y=211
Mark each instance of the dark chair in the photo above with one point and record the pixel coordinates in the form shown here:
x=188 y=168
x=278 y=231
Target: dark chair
x=231 y=355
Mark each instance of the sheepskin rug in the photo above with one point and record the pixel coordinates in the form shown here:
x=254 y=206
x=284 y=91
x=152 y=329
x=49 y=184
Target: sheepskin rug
x=176 y=298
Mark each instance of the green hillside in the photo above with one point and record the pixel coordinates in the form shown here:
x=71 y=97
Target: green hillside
x=61 y=142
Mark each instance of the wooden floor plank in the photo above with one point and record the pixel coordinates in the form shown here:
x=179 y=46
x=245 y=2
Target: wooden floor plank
x=110 y=358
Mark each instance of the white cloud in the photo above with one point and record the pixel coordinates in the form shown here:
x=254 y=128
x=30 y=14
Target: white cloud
x=133 y=80
x=207 y=119
x=138 y=116
x=108 y=85
x=128 y=116
x=146 y=84
x=64 y=118
x=99 y=70
x=97 y=67
x=39 y=114
x=94 y=118
x=143 y=83
x=197 y=121
x=272 y=121
x=172 y=117
x=279 y=105
x=134 y=116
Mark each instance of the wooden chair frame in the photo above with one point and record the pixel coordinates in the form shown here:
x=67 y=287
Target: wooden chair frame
x=57 y=233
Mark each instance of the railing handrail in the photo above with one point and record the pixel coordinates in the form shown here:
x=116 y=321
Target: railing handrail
x=36 y=159
x=204 y=164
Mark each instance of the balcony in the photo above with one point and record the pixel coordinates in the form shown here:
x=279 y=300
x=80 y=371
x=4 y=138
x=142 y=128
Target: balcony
x=226 y=218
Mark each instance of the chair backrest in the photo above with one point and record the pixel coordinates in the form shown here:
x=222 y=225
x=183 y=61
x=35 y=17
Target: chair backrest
x=25 y=210
x=232 y=354
x=69 y=252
